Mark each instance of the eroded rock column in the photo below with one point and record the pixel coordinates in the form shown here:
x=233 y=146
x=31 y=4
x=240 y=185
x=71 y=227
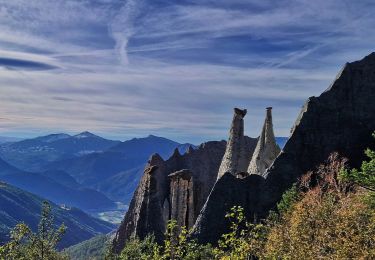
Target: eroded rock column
x=235 y=159
x=267 y=149
x=182 y=198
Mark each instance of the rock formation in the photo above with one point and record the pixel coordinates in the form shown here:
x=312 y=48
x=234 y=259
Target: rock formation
x=340 y=120
x=173 y=189
x=266 y=150
x=236 y=157
x=158 y=196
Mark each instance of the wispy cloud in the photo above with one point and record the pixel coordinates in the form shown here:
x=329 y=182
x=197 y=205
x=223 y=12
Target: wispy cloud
x=172 y=68
x=121 y=27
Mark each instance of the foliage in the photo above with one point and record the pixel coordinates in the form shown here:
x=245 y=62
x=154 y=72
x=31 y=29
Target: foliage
x=331 y=221
x=25 y=244
x=244 y=240
x=176 y=246
x=141 y=249
x=334 y=226
x=365 y=177
x=289 y=198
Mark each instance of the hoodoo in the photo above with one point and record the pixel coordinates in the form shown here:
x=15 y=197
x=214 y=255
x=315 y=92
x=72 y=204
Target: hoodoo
x=235 y=158
x=266 y=150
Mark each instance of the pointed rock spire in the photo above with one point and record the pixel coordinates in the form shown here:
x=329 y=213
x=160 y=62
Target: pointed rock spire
x=176 y=153
x=155 y=159
x=190 y=149
x=234 y=159
x=266 y=150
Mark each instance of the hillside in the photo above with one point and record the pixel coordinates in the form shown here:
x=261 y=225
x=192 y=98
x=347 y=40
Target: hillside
x=17 y=205
x=93 y=249
x=56 y=186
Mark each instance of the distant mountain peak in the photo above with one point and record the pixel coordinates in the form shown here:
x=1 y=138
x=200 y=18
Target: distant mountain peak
x=85 y=134
x=54 y=137
x=155 y=137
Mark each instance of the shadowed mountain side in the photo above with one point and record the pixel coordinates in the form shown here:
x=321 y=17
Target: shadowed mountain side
x=17 y=206
x=117 y=171
x=56 y=186
x=340 y=120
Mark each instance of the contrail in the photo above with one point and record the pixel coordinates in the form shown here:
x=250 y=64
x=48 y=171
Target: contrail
x=121 y=28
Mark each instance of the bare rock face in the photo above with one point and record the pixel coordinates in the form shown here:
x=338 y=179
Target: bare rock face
x=176 y=188
x=229 y=191
x=340 y=120
x=266 y=150
x=181 y=197
x=236 y=158
x=138 y=220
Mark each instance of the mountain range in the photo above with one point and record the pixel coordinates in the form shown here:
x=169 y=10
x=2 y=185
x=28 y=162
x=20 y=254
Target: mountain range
x=83 y=170
x=17 y=206
x=34 y=154
x=116 y=171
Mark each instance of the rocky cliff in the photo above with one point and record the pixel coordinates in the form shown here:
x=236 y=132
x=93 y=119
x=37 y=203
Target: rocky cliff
x=177 y=187
x=173 y=189
x=340 y=120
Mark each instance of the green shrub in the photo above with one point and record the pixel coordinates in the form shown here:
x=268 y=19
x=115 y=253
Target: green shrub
x=25 y=244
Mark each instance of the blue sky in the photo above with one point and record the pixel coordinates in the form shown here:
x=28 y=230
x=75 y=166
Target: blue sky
x=126 y=69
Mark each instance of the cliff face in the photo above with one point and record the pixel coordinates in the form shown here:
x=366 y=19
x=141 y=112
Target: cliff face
x=174 y=188
x=340 y=120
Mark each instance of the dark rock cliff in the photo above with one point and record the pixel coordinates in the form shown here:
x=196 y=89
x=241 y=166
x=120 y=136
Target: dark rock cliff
x=176 y=188
x=340 y=120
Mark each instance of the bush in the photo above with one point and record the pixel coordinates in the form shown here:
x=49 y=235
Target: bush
x=365 y=177
x=177 y=246
x=27 y=245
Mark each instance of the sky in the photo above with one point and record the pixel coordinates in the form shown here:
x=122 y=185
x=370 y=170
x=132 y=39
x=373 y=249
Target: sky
x=173 y=68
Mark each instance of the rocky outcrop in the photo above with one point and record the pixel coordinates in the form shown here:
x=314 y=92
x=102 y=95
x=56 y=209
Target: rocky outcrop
x=236 y=158
x=145 y=212
x=340 y=120
x=175 y=188
x=266 y=150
